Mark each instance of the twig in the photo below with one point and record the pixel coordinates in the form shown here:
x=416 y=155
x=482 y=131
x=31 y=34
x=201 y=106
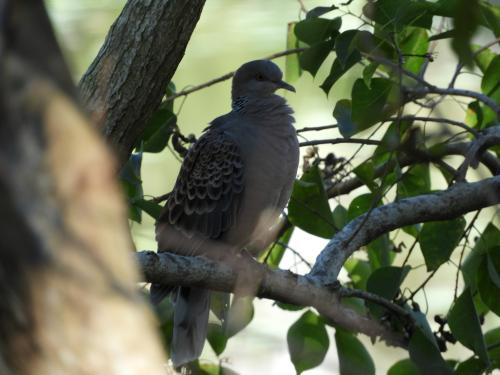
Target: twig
x=439 y=120
x=317 y=128
x=349 y=293
x=228 y=75
x=421 y=286
x=340 y=140
x=460 y=65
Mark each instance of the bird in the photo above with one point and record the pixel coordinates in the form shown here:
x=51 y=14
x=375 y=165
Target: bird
x=234 y=183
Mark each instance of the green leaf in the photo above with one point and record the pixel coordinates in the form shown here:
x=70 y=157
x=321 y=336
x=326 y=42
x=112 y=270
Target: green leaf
x=158 y=130
x=315 y=30
x=319 y=11
x=354 y=359
x=275 y=252
x=130 y=177
x=487 y=278
x=360 y=205
x=313 y=57
x=395 y=14
x=415 y=181
x=359 y=271
x=345 y=46
x=403 y=367
x=368 y=73
x=372 y=104
x=289 y=306
x=216 y=338
x=472 y=366
x=438 y=239
x=484 y=58
x=465 y=326
x=380 y=251
x=490 y=84
x=413 y=41
x=425 y=354
x=337 y=71
x=366 y=173
x=153 y=209
x=219 y=304
x=308 y=208
x=385 y=282
x=492 y=339
x=343 y=115
x=340 y=216
x=292 y=66
x=470 y=267
x=465 y=21
x=307 y=342
x=239 y=315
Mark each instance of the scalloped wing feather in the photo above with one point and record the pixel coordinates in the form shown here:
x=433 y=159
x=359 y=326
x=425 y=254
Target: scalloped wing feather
x=208 y=190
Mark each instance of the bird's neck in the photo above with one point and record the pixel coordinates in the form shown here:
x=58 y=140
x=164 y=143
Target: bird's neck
x=272 y=105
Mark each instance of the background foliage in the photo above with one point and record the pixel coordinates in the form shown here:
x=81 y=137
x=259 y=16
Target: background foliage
x=394 y=112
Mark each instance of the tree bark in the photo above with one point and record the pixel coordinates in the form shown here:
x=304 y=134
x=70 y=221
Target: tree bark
x=128 y=78
x=68 y=294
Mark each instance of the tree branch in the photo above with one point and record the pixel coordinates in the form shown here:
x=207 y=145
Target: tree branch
x=490 y=136
x=229 y=75
x=444 y=205
x=127 y=80
x=279 y=285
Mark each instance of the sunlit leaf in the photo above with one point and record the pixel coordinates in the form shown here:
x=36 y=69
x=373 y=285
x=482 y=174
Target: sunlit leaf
x=292 y=66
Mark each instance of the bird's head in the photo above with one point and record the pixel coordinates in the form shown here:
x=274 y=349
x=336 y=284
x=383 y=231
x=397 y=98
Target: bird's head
x=258 y=78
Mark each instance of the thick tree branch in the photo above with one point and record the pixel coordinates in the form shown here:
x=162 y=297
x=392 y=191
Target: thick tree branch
x=444 y=205
x=278 y=285
x=127 y=80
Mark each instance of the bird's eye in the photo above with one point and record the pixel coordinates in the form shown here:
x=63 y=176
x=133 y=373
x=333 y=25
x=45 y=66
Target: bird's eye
x=259 y=77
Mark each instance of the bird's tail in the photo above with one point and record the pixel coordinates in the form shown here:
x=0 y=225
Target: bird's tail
x=190 y=324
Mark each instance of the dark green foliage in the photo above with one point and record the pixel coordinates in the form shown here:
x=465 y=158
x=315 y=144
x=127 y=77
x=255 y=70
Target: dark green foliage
x=307 y=342
x=353 y=357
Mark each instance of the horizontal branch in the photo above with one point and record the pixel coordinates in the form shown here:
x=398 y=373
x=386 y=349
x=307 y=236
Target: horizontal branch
x=229 y=75
x=279 y=285
x=443 y=205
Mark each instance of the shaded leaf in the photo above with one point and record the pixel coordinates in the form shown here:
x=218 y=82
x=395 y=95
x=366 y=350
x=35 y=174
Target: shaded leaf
x=153 y=209
x=216 y=338
x=275 y=252
x=308 y=208
x=465 y=20
x=438 y=239
x=425 y=354
x=487 y=278
x=472 y=366
x=340 y=218
x=403 y=367
x=385 y=282
x=415 y=181
x=315 y=30
x=353 y=357
x=337 y=71
x=319 y=11
x=394 y=14
x=307 y=342
x=360 y=205
x=492 y=339
x=465 y=326
x=158 y=131
x=380 y=251
x=130 y=177
x=343 y=115
x=239 y=315
x=484 y=58
x=313 y=57
x=359 y=271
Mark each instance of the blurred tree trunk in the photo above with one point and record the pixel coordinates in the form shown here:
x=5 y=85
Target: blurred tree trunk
x=68 y=299
x=128 y=78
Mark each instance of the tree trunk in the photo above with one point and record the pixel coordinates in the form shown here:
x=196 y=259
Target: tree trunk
x=125 y=83
x=68 y=295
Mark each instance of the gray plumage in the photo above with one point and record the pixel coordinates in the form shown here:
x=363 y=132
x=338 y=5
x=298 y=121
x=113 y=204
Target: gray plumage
x=233 y=185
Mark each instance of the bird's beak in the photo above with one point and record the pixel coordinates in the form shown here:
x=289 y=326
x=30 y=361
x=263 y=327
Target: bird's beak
x=286 y=86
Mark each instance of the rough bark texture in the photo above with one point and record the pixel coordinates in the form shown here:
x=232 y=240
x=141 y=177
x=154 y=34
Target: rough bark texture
x=125 y=83
x=457 y=200
x=68 y=298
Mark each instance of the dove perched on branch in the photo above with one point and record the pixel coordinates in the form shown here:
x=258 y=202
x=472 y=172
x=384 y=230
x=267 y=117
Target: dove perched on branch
x=233 y=185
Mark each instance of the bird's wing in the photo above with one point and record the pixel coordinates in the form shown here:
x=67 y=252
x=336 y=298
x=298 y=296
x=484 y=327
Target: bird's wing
x=208 y=190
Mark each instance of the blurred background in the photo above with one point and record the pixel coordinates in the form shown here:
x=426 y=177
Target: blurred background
x=228 y=34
